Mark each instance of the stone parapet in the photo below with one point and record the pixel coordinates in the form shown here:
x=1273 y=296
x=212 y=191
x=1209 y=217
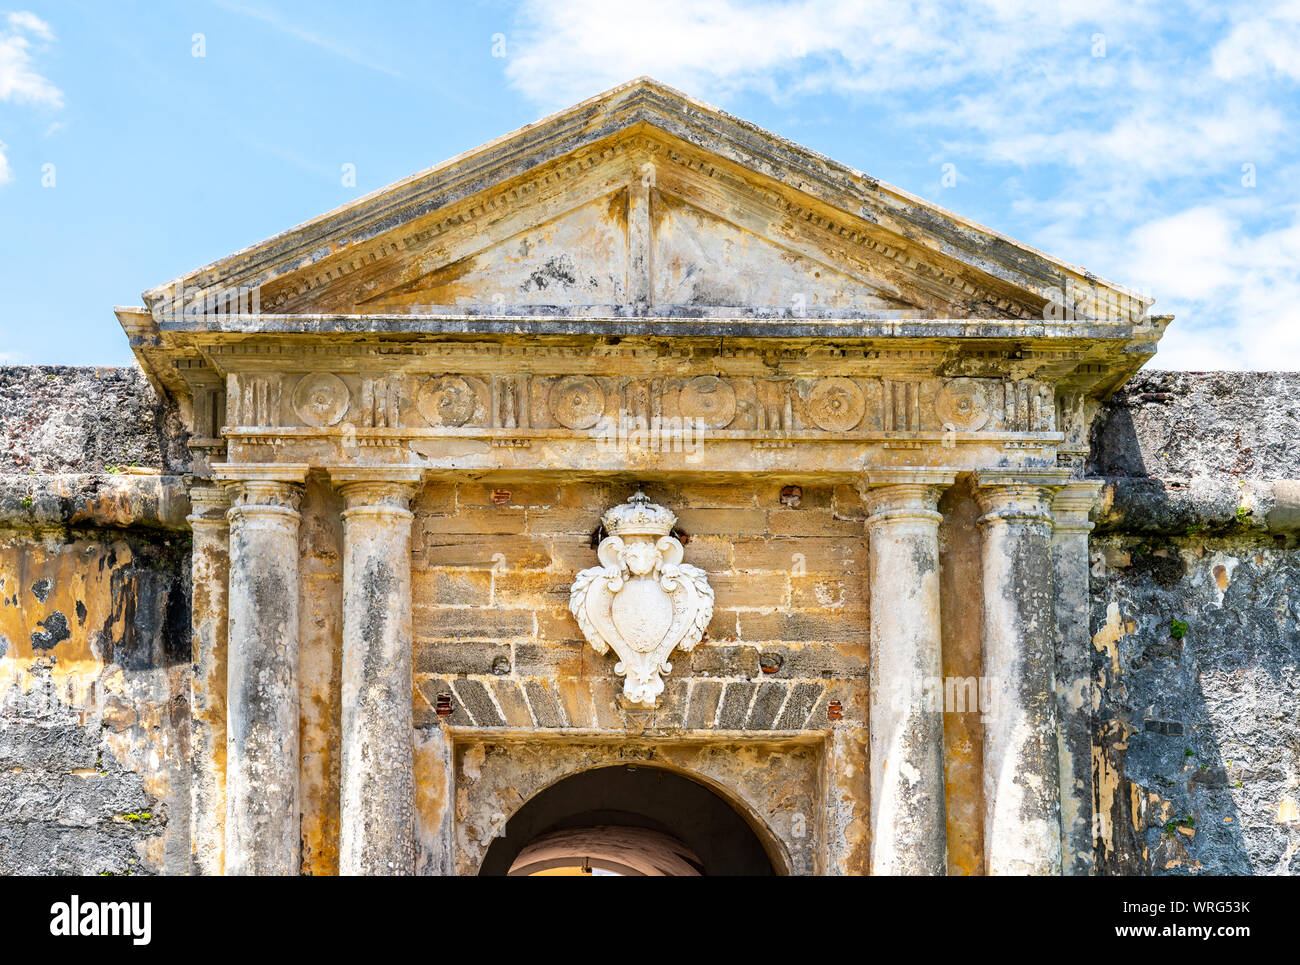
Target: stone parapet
x=126 y=500
x=1202 y=505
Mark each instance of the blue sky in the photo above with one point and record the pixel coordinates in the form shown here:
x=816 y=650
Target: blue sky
x=1157 y=145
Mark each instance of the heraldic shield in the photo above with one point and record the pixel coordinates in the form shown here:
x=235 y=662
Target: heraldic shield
x=642 y=601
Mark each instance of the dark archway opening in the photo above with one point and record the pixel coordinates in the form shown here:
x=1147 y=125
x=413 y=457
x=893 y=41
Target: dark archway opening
x=628 y=819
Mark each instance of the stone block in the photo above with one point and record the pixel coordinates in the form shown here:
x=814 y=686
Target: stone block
x=546 y=709
x=451 y=657
x=799 y=706
x=470 y=623
x=474 y=695
x=802 y=626
x=489 y=521
x=501 y=552
x=702 y=707
x=736 y=699
x=767 y=704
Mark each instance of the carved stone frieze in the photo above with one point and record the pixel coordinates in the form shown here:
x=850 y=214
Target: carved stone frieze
x=512 y=404
x=577 y=402
x=836 y=404
x=963 y=405
x=321 y=399
x=708 y=400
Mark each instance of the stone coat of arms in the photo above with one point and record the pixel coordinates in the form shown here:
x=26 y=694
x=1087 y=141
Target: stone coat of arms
x=642 y=601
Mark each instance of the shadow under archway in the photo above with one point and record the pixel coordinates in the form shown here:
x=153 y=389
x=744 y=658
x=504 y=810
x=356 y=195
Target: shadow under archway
x=595 y=804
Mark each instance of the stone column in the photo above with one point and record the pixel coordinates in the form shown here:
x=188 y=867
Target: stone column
x=908 y=818
x=1022 y=805
x=377 y=812
x=209 y=573
x=1073 y=668
x=262 y=822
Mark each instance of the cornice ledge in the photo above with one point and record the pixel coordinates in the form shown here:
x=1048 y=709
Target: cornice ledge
x=1042 y=478
x=403 y=475
x=283 y=472
x=912 y=475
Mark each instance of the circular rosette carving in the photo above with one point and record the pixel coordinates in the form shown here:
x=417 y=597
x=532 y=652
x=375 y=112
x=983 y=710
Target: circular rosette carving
x=962 y=404
x=321 y=399
x=708 y=400
x=447 y=401
x=837 y=405
x=577 y=402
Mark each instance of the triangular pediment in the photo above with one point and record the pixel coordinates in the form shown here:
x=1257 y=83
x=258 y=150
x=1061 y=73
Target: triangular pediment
x=577 y=257
x=638 y=202
x=700 y=258
x=587 y=257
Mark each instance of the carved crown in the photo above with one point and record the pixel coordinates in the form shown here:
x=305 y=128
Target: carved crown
x=639 y=517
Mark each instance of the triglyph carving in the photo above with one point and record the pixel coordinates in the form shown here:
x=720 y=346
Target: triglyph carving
x=381 y=401
x=257 y=401
x=642 y=601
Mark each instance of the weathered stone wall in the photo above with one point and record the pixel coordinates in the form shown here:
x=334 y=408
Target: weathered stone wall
x=1196 y=626
x=1184 y=425
x=94 y=626
x=94 y=704
x=65 y=419
x=1198 y=735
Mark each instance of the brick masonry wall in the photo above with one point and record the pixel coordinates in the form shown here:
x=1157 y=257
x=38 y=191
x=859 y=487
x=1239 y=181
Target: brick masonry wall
x=493 y=568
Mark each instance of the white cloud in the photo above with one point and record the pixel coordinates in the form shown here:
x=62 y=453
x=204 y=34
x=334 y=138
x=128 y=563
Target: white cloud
x=1130 y=162
x=1270 y=42
x=19 y=81
x=565 y=50
x=1235 y=291
x=1009 y=81
x=27 y=21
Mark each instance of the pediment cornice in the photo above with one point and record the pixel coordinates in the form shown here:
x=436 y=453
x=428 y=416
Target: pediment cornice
x=686 y=229
x=969 y=269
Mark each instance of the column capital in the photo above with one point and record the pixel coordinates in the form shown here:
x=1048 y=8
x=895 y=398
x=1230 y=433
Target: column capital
x=209 y=502
x=1018 y=494
x=896 y=494
x=262 y=488
x=1072 y=504
x=383 y=489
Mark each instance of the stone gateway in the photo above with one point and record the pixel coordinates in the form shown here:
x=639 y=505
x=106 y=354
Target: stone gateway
x=639 y=493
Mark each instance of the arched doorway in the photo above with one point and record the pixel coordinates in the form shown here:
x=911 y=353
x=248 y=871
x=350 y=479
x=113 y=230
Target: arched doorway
x=630 y=819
